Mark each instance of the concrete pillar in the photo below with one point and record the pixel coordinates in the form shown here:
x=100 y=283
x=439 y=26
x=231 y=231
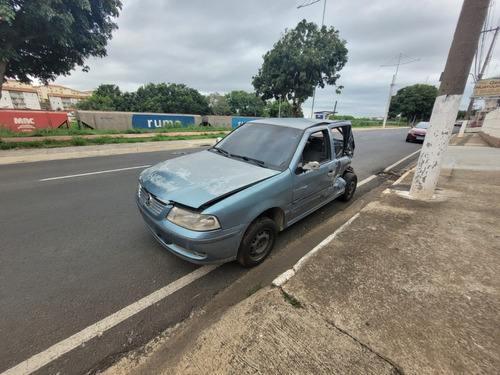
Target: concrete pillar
x=444 y=113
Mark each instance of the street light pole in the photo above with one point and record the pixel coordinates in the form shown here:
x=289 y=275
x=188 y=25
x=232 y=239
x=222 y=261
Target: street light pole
x=407 y=60
x=322 y=24
x=279 y=106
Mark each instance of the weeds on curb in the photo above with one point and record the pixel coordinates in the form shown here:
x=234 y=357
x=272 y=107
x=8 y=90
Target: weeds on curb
x=254 y=290
x=292 y=301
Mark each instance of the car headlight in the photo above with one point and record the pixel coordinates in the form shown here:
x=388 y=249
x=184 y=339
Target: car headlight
x=192 y=220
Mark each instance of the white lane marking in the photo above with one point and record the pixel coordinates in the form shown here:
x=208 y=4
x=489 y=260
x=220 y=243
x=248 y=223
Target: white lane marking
x=92 y=173
x=400 y=161
x=97 y=329
x=373 y=176
x=368 y=179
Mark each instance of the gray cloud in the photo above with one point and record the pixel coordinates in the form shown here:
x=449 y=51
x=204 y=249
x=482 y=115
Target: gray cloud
x=217 y=46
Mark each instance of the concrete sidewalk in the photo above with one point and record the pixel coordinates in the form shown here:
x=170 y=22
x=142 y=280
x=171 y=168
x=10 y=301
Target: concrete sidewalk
x=405 y=287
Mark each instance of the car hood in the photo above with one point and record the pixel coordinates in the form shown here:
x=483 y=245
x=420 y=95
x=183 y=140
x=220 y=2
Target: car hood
x=197 y=179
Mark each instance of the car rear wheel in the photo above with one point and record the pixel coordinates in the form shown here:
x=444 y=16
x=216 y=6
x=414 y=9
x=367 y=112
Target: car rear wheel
x=257 y=242
x=351 y=183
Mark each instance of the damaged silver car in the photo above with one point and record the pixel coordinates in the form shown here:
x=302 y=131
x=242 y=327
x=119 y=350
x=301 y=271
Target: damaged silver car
x=229 y=202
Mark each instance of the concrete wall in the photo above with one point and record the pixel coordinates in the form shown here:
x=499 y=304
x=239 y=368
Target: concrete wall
x=490 y=131
x=226 y=121
x=105 y=120
x=130 y=120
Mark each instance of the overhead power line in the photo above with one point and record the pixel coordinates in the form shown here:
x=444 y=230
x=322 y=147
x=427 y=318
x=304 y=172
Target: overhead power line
x=307 y=3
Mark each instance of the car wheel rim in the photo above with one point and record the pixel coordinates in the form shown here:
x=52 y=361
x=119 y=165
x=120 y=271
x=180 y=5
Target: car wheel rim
x=259 y=244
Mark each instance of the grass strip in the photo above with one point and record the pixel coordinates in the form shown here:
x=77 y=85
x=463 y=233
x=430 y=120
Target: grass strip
x=81 y=141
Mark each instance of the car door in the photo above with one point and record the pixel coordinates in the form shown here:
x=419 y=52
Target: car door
x=313 y=188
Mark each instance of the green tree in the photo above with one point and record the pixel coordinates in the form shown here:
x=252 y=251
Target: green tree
x=46 y=38
x=302 y=59
x=104 y=98
x=273 y=109
x=414 y=102
x=219 y=104
x=161 y=98
x=169 y=98
x=243 y=103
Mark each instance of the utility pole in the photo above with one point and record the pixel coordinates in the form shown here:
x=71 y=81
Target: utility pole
x=305 y=4
x=406 y=60
x=483 y=69
x=334 y=110
x=444 y=113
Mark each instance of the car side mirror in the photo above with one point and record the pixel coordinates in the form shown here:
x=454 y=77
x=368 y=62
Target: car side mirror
x=311 y=166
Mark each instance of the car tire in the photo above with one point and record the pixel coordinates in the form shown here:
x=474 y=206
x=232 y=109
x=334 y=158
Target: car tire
x=350 y=187
x=257 y=242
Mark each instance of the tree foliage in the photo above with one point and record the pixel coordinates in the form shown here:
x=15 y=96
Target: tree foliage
x=105 y=98
x=302 y=59
x=274 y=109
x=218 y=104
x=47 y=38
x=161 y=98
x=243 y=103
x=414 y=102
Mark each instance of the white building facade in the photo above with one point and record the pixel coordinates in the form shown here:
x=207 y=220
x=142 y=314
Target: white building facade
x=16 y=95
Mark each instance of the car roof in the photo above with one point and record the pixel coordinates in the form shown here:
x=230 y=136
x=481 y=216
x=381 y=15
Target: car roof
x=300 y=123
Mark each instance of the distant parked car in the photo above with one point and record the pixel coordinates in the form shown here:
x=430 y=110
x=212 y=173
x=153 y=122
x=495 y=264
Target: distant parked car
x=417 y=133
x=229 y=202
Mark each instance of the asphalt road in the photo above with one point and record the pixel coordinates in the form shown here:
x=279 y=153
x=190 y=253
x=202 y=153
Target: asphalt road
x=74 y=251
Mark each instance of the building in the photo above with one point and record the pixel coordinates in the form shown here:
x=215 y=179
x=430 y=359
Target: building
x=16 y=95
x=323 y=115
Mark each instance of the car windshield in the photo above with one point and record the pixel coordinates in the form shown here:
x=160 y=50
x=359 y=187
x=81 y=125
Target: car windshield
x=269 y=146
x=422 y=125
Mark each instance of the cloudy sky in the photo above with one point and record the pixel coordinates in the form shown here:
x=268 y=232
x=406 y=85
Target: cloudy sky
x=217 y=46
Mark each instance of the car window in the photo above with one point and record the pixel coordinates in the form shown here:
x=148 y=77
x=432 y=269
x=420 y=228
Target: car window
x=338 y=142
x=317 y=148
x=343 y=141
x=422 y=125
x=273 y=145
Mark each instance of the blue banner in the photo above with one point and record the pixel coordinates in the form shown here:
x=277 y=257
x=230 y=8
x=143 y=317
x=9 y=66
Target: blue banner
x=237 y=121
x=161 y=121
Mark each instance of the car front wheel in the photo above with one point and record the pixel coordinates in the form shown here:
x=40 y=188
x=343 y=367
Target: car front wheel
x=257 y=242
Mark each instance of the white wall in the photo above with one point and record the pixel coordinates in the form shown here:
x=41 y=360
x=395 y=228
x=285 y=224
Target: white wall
x=31 y=100
x=491 y=128
x=6 y=102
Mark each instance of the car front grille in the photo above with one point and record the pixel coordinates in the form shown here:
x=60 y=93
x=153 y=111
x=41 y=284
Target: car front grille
x=149 y=201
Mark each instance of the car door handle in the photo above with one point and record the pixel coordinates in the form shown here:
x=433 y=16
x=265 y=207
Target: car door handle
x=331 y=174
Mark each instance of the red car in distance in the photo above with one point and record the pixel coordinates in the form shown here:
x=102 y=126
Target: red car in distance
x=417 y=133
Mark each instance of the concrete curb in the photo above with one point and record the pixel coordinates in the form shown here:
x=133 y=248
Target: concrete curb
x=287 y=275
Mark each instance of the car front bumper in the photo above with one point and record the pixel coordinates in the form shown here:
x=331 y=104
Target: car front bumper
x=218 y=246
x=415 y=137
